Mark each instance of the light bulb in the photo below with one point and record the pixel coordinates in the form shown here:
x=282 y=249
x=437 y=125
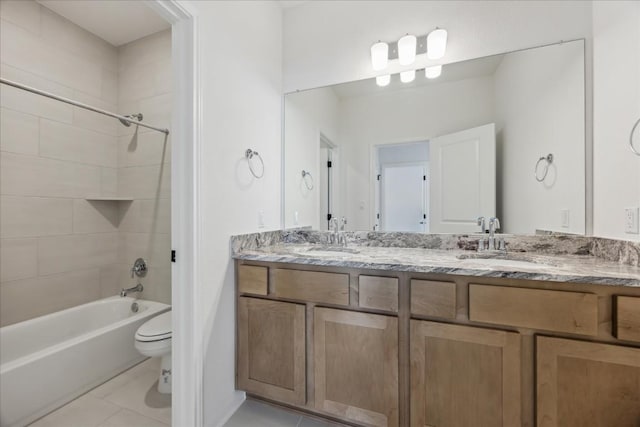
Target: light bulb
x=379 y=56
x=407 y=76
x=383 y=80
x=436 y=43
x=433 y=72
x=407 y=49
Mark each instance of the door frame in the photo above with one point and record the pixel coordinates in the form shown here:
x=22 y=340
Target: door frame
x=373 y=169
x=186 y=128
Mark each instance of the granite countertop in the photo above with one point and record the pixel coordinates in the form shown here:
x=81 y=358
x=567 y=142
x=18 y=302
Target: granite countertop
x=521 y=264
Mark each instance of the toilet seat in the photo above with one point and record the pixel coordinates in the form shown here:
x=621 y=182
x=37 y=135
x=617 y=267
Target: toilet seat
x=155 y=329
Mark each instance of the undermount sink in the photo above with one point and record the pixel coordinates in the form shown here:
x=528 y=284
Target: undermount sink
x=331 y=250
x=502 y=259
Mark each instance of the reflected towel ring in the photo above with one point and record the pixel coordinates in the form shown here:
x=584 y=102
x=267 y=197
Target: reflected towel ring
x=548 y=159
x=250 y=154
x=307 y=182
x=633 y=129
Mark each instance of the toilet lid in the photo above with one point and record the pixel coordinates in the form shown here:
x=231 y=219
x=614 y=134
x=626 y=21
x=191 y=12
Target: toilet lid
x=155 y=329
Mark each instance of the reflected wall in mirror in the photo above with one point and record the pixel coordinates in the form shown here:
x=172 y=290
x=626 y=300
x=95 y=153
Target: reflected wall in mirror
x=435 y=154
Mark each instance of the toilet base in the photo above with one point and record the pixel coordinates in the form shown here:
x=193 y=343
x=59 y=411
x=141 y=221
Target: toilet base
x=164 y=381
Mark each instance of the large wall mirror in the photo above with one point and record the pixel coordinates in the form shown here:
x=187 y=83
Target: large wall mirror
x=497 y=136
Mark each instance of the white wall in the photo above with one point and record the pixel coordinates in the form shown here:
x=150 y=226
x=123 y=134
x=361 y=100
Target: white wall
x=307 y=114
x=316 y=54
x=417 y=115
x=616 y=46
x=538 y=113
x=240 y=72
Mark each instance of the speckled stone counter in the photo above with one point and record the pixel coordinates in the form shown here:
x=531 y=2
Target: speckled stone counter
x=561 y=258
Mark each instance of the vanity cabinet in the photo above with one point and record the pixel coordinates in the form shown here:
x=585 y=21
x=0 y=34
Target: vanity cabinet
x=385 y=348
x=356 y=366
x=464 y=376
x=271 y=349
x=587 y=384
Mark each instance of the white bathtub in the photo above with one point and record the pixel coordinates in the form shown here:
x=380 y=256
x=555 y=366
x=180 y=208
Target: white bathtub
x=50 y=360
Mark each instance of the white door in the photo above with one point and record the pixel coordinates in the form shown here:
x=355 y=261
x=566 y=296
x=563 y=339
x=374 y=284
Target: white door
x=463 y=179
x=403 y=198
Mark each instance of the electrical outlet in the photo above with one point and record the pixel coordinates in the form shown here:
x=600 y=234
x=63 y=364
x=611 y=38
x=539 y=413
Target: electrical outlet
x=261 y=219
x=564 y=218
x=631 y=220
x=295 y=218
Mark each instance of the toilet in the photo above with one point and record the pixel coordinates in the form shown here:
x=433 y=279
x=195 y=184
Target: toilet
x=153 y=339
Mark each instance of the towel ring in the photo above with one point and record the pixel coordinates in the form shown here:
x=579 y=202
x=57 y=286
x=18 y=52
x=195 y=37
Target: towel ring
x=307 y=182
x=633 y=129
x=250 y=154
x=548 y=159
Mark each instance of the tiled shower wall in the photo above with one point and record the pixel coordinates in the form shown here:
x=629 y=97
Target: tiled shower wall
x=144 y=172
x=58 y=249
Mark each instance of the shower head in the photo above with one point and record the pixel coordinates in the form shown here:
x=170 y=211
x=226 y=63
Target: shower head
x=137 y=116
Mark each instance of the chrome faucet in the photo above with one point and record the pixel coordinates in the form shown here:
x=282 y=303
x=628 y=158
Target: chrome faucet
x=481 y=223
x=333 y=228
x=342 y=237
x=494 y=224
x=136 y=288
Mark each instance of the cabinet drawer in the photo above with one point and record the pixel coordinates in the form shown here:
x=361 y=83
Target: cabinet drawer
x=313 y=286
x=252 y=279
x=627 y=318
x=380 y=293
x=572 y=312
x=431 y=298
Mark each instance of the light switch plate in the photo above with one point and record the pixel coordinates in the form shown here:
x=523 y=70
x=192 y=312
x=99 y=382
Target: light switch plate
x=631 y=225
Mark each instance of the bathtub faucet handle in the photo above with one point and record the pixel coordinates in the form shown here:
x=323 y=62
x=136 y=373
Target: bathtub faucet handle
x=139 y=268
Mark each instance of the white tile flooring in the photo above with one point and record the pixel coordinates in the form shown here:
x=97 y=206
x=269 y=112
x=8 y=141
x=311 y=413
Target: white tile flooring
x=253 y=413
x=132 y=400
x=128 y=400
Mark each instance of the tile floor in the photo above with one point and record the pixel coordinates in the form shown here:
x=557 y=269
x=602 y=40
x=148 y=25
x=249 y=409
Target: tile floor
x=253 y=413
x=128 y=400
x=131 y=400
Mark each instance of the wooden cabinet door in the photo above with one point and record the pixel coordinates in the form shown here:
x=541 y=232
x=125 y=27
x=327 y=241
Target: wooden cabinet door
x=271 y=349
x=356 y=366
x=463 y=376
x=587 y=384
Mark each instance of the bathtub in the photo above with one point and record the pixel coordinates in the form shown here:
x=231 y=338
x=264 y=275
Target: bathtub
x=50 y=360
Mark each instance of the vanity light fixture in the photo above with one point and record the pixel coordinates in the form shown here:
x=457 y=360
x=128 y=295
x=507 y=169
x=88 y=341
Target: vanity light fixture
x=433 y=72
x=407 y=49
x=407 y=76
x=436 y=43
x=379 y=56
x=383 y=80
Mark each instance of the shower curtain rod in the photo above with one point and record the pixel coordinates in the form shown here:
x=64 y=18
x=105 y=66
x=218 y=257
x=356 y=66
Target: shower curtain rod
x=81 y=105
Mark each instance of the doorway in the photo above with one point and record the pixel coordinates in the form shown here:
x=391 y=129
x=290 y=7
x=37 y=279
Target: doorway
x=402 y=191
x=328 y=172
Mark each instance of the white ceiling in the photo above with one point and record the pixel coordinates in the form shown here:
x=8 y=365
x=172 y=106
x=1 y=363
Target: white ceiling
x=118 y=22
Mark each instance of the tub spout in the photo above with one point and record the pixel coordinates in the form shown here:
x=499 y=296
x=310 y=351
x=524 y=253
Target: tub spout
x=136 y=288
